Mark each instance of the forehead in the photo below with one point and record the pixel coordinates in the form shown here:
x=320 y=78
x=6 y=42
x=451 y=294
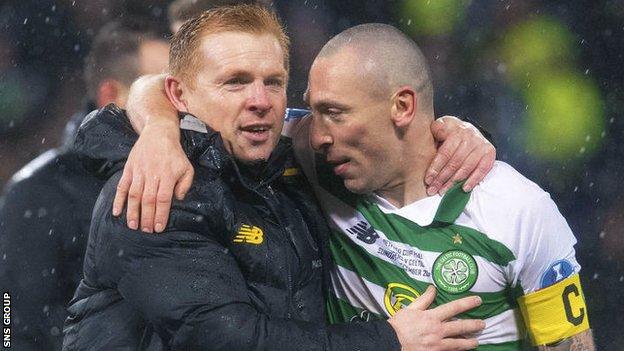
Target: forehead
x=225 y=51
x=341 y=77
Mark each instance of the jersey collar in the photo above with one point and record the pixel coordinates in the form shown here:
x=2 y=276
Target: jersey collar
x=430 y=210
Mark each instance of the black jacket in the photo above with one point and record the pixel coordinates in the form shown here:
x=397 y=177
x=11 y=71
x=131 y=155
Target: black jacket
x=239 y=267
x=45 y=212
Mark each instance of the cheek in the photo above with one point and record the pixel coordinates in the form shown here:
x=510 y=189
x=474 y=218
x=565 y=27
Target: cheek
x=371 y=148
x=353 y=136
x=279 y=103
x=228 y=115
x=279 y=121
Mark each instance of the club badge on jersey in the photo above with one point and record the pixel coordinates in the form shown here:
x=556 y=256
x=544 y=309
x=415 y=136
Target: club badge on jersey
x=455 y=271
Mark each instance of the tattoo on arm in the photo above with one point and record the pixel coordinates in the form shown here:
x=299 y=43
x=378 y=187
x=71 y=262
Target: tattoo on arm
x=580 y=342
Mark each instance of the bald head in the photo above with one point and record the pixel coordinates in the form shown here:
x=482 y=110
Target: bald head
x=387 y=58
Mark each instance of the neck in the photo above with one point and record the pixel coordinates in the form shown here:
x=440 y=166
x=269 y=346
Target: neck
x=409 y=184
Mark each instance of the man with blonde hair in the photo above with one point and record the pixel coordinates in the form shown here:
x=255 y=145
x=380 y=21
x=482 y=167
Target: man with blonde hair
x=243 y=261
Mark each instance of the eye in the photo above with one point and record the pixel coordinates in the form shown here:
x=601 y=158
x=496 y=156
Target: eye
x=235 y=81
x=333 y=113
x=274 y=82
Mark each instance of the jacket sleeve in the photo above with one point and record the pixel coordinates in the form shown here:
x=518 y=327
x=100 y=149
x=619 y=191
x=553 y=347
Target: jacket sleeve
x=104 y=141
x=189 y=286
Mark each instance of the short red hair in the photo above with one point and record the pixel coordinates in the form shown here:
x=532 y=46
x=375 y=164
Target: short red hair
x=255 y=19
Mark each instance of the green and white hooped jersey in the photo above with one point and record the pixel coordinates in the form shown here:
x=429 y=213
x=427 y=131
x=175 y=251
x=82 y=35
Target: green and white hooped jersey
x=503 y=240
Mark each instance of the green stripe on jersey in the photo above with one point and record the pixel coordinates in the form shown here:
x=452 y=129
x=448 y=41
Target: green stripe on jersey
x=352 y=257
x=452 y=204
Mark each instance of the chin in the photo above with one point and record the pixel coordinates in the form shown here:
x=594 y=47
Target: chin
x=250 y=160
x=253 y=157
x=355 y=186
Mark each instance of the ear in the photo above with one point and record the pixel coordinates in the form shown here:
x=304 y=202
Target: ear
x=176 y=90
x=404 y=106
x=111 y=91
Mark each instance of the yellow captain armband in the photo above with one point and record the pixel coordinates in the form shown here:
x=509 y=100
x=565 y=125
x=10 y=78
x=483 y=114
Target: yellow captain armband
x=556 y=312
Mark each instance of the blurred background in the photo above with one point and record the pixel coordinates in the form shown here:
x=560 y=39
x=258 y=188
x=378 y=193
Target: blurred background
x=546 y=78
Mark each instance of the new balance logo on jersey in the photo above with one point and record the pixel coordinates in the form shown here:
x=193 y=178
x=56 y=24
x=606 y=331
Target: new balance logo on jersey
x=364 y=232
x=249 y=234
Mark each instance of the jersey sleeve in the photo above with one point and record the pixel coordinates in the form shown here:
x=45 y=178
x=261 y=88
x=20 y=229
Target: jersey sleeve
x=552 y=305
x=546 y=251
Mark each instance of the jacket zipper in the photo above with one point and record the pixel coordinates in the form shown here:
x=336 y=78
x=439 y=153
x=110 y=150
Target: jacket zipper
x=283 y=228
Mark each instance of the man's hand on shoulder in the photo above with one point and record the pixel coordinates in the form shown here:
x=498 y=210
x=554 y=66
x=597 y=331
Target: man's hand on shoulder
x=464 y=154
x=420 y=328
x=157 y=168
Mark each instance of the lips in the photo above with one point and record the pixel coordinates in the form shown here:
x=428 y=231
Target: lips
x=340 y=166
x=257 y=133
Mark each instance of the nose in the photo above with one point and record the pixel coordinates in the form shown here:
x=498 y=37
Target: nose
x=320 y=137
x=259 y=101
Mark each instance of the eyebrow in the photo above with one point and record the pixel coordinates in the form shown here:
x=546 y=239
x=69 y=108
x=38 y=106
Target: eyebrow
x=327 y=103
x=241 y=72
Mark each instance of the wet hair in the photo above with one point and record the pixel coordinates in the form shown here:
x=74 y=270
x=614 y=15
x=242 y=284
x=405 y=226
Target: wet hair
x=114 y=54
x=394 y=58
x=184 y=58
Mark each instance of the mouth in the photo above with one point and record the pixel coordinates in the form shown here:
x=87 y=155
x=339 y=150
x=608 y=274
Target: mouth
x=256 y=133
x=340 y=166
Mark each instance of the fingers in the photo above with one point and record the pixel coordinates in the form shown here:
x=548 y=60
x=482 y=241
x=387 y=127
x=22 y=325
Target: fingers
x=454 y=164
x=443 y=126
x=483 y=168
x=134 y=201
x=425 y=300
x=463 y=327
x=463 y=154
x=148 y=204
x=469 y=165
x=163 y=205
x=442 y=157
x=452 y=309
x=459 y=344
x=122 y=191
x=184 y=184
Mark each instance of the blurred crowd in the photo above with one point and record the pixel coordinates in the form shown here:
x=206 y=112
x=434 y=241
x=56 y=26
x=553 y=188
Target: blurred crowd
x=544 y=77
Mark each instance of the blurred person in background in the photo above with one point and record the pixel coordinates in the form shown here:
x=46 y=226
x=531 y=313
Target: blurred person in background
x=180 y=11
x=45 y=210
